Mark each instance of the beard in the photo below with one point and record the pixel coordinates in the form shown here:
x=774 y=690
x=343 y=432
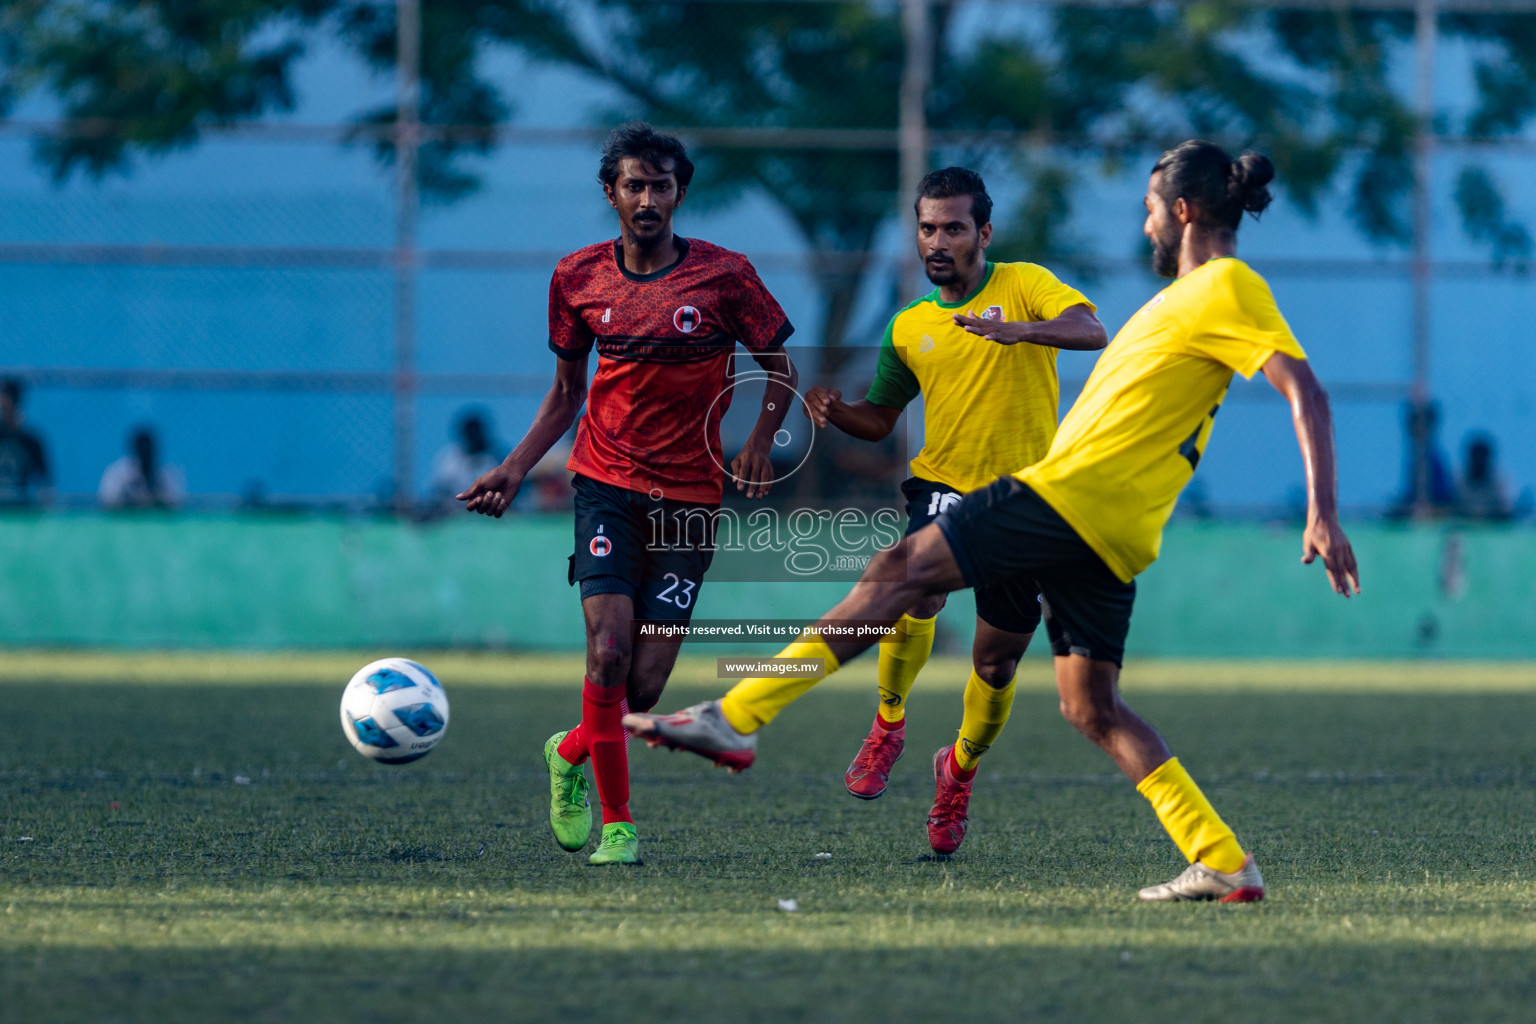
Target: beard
x=953 y=268
x=649 y=241
x=941 y=273
x=1165 y=255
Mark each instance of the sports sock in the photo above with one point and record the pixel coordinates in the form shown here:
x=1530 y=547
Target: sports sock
x=1191 y=821
x=757 y=700
x=962 y=774
x=901 y=660
x=574 y=747
x=986 y=712
x=602 y=715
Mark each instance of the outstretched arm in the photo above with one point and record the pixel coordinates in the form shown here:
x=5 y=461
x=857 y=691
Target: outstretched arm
x=1294 y=379
x=493 y=492
x=751 y=469
x=1077 y=327
x=860 y=418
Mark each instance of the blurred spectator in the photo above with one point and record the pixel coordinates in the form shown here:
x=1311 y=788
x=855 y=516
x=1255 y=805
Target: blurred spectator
x=137 y=480
x=550 y=481
x=863 y=473
x=1483 y=495
x=1422 y=422
x=844 y=470
x=23 y=460
x=254 y=495
x=456 y=466
x=1193 y=502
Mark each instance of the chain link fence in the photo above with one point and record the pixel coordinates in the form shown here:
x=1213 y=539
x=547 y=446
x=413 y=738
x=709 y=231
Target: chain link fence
x=301 y=328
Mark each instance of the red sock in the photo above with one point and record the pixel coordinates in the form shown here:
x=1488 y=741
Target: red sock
x=962 y=774
x=602 y=713
x=889 y=726
x=574 y=747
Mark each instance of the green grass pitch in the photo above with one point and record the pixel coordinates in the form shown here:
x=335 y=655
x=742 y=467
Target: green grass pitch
x=189 y=838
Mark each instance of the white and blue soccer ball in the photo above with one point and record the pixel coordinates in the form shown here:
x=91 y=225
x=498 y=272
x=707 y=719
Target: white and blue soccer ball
x=394 y=711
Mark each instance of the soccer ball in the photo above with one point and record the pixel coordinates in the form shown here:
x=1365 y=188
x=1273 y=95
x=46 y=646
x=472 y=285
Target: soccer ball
x=394 y=711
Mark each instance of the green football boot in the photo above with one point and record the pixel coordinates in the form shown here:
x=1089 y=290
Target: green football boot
x=570 y=812
x=620 y=845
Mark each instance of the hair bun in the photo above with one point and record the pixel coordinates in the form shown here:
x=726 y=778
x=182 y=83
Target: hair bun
x=1250 y=174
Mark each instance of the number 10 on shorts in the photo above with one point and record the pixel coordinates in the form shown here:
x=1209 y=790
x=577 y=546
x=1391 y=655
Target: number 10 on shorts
x=941 y=500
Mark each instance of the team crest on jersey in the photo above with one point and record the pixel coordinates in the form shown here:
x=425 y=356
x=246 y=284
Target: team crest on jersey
x=926 y=345
x=686 y=319
x=994 y=313
x=601 y=546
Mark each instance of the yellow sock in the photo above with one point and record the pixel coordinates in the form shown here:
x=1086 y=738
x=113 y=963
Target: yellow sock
x=986 y=712
x=1191 y=821
x=756 y=701
x=900 y=662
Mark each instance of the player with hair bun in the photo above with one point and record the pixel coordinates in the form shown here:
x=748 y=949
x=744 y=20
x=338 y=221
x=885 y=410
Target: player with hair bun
x=1086 y=519
x=1220 y=188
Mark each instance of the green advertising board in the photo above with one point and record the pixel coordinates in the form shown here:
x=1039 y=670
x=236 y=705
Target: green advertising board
x=264 y=582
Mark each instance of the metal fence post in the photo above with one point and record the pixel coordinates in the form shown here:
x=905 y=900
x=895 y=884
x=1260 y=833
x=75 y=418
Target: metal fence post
x=1421 y=433
x=407 y=145
x=916 y=78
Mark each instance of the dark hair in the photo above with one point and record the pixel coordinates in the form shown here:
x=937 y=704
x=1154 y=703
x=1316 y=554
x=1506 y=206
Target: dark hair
x=1480 y=450
x=640 y=140
x=1218 y=187
x=10 y=387
x=957 y=181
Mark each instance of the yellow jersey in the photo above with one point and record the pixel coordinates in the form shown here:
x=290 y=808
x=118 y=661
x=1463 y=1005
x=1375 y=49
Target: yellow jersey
x=1134 y=436
x=987 y=408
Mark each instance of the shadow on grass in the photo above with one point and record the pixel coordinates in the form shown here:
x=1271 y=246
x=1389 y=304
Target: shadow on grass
x=1400 y=983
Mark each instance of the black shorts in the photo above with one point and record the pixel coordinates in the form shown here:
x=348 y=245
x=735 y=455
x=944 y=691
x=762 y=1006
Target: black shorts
x=654 y=550
x=1013 y=605
x=1006 y=532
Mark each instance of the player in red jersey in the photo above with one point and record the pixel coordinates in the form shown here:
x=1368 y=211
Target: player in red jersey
x=665 y=314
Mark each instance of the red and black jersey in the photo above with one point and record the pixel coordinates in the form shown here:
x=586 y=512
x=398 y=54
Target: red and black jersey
x=664 y=344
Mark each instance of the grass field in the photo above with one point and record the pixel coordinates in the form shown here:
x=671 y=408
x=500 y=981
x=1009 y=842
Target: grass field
x=190 y=838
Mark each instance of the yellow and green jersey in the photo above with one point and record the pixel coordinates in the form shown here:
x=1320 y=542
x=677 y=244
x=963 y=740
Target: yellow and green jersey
x=987 y=408
x=1133 y=438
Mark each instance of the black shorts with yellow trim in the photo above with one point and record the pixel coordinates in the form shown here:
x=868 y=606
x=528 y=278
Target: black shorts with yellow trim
x=1012 y=606
x=1006 y=534
x=654 y=550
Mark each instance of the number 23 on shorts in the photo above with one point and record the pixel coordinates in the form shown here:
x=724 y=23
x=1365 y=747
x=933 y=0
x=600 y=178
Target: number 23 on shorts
x=670 y=593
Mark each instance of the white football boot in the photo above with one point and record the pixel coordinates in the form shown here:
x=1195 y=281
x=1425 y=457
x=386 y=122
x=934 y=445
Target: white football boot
x=1198 y=882
x=702 y=729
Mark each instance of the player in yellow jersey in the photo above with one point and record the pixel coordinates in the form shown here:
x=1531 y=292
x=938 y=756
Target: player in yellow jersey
x=981 y=349
x=1087 y=518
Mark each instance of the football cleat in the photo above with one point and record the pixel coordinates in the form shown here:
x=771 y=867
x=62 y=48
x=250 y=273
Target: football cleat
x=871 y=769
x=620 y=845
x=951 y=803
x=1199 y=882
x=570 y=810
x=702 y=729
